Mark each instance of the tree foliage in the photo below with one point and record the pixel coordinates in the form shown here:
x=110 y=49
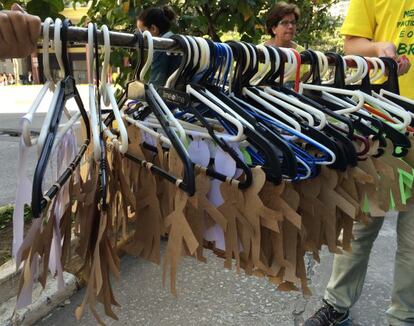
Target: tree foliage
x=198 y=17
x=215 y=19
x=41 y=8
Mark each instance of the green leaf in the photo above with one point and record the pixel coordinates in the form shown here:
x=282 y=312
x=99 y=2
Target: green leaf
x=245 y=10
x=45 y=8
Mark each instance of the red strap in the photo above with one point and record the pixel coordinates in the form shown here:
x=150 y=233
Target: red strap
x=383 y=116
x=297 y=74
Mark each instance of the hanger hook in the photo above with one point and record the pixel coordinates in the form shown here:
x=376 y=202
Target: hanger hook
x=362 y=69
x=292 y=61
x=65 y=56
x=257 y=78
x=323 y=63
x=45 y=53
x=150 y=53
x=230 y=74
x=58 y=43
x=90 y=53
x=107 y=56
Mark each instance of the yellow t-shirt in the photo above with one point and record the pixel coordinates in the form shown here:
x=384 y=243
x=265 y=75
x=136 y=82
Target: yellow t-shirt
x=385 y=20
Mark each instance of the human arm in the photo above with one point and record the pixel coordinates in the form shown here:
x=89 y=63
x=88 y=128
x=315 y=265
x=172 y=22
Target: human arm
x=18 y=33
x=368 y=48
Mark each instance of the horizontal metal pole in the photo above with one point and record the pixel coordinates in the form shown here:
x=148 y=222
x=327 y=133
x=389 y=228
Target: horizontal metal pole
x=118 y=39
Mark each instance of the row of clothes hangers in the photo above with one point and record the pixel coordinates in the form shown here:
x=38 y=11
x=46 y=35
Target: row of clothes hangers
x=235 y=93
x=226 y=110
x=226 y=82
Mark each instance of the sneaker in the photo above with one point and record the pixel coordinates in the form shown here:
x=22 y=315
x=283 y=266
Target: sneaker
x=328 y=316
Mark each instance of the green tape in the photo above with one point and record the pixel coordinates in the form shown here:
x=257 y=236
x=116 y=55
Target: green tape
x=246 y=155
x=392 y=202
x=406 y=184
x=365 y=206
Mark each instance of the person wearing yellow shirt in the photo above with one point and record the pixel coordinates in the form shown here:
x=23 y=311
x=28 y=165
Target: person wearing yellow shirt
x=376 y=28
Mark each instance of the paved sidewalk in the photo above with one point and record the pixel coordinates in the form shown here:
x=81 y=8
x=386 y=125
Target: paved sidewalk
x=208 y=294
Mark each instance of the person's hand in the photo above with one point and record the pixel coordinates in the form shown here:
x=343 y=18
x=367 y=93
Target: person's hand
x=404 y=65
x=18 y=33
x=388 y=49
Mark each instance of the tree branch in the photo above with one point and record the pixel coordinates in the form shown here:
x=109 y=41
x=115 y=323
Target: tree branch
x=211 y=26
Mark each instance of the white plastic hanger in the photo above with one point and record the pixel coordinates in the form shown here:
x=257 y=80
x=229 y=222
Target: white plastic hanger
x=163 y=106
x=292 y=63
x=305 y=107
x=301 y=108
x=107 y=92
x=139 y=124
x=150 y=54
x=360 y=72
x=240 y=131
x=266 y=104
x=27 y=119
x=264 y=68
x=174 y=75
x=399 y=97
x=92 y=96
x=379 y=68
x=204 y=53
x=390 y=94
x=323 y=63
x=390 y=107
x=327 y=90
x=374 y=71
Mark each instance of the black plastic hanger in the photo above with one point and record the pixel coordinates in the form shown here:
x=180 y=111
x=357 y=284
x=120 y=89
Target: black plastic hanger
x=391 y=84
x=228 y=149
x=268 y=143
x=399 y=140
x=186 y=75
x=139 y=40
x=68 y=90
x=344 y=150
x=188 y=182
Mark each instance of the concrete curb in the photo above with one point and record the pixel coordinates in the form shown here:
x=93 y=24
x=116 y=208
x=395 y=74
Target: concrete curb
x=9 y=281
x=44 y=300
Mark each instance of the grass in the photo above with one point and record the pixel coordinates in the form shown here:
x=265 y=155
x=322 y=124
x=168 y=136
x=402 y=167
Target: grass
x=6 y=230
x=6 y=215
